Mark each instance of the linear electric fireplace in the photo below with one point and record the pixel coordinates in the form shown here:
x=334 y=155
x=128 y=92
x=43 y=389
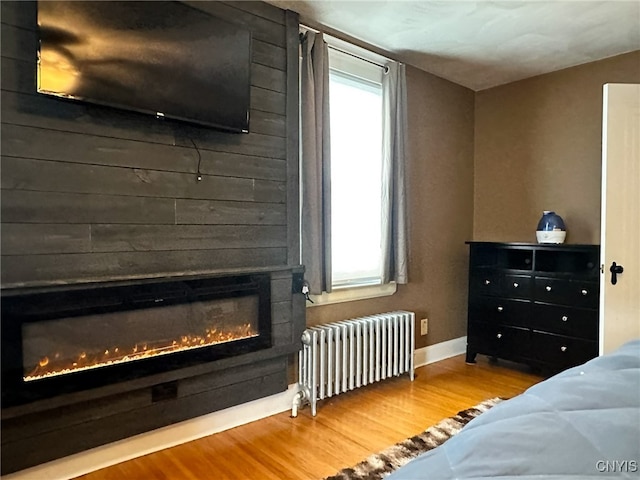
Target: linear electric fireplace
x=89 y=364
x=58 y=342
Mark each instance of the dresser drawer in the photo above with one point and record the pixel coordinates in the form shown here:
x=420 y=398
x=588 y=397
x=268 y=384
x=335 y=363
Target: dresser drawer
x=498 y=340
x=566 y=292
x=500 y=311
x=561 y=352
x=516 y=286
x=574 y=322
x=492 y=283
x=485 y=282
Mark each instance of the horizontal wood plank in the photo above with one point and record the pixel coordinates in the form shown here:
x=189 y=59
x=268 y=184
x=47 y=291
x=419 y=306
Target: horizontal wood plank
x=253 y=144
x=19 y=13
x=267 y=123
x=18 y=43
x=46 y=238
x=281 y=312
x=18 y=76
x=268 y=101
x=268 y=54
x=268 y=78
x=281 y=290
x=95 y=179
x=204 y=383
x=30 y=270
x=35 y=239
x=125 y=238
x=28 y=426
x=282 y=334
x=45 y=144
x=24 y=206
x=261 y=28
x=66 y=115
x=201 y=212
x=260 y=9
x=242 y=166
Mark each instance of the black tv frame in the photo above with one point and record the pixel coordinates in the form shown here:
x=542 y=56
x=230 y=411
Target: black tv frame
x=142 y=56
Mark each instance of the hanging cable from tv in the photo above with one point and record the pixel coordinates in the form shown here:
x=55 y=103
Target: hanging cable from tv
x=198 y=173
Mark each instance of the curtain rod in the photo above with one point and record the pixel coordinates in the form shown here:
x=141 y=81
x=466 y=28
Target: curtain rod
x=384 y=67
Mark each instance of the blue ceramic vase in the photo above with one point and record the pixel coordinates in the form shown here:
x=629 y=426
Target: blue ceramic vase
x=551 y=228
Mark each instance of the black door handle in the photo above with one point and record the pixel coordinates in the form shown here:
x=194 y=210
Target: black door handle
x=615 y=270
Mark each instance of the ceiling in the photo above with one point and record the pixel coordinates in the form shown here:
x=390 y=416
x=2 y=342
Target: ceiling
x=482 y=44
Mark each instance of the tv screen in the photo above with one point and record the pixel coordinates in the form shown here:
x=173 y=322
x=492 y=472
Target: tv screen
x=164 y=58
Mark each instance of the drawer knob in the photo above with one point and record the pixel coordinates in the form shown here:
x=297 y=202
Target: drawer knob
x=565 y=318
x=515 y=285
x=547 y=288
x=564 y=349
x=501 y=308
x=584 y=292
x=499 y=335
x=487 y=282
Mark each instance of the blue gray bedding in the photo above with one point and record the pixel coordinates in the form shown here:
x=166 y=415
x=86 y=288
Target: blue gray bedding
x=582 y=423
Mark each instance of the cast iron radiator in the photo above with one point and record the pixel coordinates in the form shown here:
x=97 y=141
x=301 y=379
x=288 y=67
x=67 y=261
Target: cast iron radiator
x=341 y=356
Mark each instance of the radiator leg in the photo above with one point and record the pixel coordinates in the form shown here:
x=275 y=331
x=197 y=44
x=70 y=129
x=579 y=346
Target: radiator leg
x=412 y=335
x=298 y=399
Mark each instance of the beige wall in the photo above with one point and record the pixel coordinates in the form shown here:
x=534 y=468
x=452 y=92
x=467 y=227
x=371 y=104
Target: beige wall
x=532 y=145
x=538 y=147
x=440 y=174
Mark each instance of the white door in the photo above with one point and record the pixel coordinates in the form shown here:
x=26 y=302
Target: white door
x=620 y=242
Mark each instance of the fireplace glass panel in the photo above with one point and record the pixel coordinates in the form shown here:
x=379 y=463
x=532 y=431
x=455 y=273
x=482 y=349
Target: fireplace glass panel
x=61 y=346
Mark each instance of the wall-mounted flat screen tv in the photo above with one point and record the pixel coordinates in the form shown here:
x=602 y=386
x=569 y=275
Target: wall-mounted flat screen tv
x=165 y=58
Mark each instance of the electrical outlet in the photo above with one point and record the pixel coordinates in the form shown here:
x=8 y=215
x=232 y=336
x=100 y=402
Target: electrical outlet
x=424 y=326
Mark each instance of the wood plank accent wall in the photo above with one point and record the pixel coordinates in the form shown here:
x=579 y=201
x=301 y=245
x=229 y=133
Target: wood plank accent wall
x=93 y=194
x=90 y=193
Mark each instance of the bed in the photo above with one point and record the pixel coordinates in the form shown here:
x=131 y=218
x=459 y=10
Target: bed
x=582 y=423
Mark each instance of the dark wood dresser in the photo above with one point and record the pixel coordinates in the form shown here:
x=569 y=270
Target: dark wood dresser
x=534 y=303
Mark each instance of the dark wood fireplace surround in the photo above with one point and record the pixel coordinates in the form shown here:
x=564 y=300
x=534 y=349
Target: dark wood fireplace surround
x=83 y=410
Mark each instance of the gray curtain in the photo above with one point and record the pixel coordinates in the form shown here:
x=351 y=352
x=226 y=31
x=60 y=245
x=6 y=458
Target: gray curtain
x=394 y=209
x=315 y=163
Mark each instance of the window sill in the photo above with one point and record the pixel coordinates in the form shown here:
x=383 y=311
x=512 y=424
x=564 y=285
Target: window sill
x=353 y=293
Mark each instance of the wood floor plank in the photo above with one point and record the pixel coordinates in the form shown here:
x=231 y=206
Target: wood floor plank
x=348 y=427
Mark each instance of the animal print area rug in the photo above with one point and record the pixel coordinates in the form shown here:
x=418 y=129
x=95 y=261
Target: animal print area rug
x=381 y=464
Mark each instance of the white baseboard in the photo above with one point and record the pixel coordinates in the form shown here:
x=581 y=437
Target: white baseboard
x=172 y=435
x=440 y=351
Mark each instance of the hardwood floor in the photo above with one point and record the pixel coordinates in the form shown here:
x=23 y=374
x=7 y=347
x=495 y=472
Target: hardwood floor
x=347 y=428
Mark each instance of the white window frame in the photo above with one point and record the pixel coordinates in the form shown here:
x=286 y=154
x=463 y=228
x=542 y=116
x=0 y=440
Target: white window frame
x=351 y=294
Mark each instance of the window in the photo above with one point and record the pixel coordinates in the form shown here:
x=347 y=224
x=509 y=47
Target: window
x=355 y=87
x=353 y=128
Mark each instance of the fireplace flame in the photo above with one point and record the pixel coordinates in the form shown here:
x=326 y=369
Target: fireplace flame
x=84 y=360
